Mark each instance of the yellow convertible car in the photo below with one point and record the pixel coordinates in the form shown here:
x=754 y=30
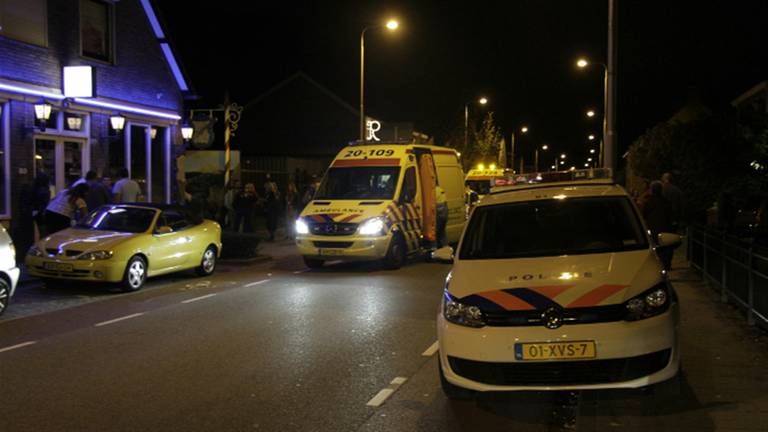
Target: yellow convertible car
x=126 y=243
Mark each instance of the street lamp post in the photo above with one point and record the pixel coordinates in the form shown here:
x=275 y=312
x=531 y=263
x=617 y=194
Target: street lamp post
x=536 y=156
x=391 y=25
x=481 y=101
x=608 y=113
x=523 y=130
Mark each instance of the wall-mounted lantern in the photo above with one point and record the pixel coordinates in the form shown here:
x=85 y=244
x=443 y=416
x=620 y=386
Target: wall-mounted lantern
x=187 y=131
x=118 y=122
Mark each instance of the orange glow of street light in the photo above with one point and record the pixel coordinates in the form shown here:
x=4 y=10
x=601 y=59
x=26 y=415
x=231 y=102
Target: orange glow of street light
x=483 y=101
x=591 y=137
x=592 y=151
x=582 y=63
x=562 y=156
x=544 y=147
x=590 y=113
x=524 y=129
x=393 y=24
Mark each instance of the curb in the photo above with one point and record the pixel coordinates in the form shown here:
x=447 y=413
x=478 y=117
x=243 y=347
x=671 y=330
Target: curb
x=245 y=261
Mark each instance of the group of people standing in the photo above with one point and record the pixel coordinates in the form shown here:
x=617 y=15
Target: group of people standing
x=241 y=205
x=54 y=212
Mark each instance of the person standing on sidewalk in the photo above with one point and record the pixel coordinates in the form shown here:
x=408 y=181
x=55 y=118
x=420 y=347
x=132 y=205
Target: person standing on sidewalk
x=658 y=216
x=271 y=206
x=125 y=189
x=98 y=194
x=68 y=205
x=292 y=205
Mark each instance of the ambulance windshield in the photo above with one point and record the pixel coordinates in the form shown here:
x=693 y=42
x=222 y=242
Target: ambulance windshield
x=356 y=183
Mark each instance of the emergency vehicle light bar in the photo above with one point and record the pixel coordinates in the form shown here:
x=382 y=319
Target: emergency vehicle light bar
x=599 y=175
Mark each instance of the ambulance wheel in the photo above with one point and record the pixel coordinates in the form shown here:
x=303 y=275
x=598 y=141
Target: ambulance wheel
x=396 y=254
x=313 y=263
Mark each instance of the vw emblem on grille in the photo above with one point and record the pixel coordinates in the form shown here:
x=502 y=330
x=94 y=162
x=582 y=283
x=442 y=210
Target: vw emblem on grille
x=552 y=318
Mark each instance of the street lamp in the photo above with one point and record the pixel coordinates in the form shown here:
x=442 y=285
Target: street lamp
x=536 y=156
x=590 y=113
x=391 y=25
x=591 y=137
x=482 y=101
x=608 y=112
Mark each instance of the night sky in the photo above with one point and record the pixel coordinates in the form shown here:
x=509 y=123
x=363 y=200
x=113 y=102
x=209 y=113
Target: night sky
x=518 y=53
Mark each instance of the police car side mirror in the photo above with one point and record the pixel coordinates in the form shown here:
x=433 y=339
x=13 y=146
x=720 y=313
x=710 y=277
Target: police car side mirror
x=443 y=255
x=668 y=240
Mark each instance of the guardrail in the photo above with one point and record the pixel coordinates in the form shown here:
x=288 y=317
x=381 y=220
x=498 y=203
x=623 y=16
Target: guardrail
x=738 y=269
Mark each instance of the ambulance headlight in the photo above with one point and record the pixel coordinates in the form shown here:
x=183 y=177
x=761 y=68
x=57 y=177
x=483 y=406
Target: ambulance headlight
x=301 y=227
x=372 y=227
x=461 y=314
x=653 y=302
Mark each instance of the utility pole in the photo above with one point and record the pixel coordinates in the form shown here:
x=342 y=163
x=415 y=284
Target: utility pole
x=609 y=136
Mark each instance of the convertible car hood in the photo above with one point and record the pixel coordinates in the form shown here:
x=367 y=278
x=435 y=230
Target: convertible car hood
x=75 y=239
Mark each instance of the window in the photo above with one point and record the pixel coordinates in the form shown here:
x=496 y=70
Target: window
x=553 y=227
x=24 y=20
x=96 y=29
x=359 y=183
x=409 y=186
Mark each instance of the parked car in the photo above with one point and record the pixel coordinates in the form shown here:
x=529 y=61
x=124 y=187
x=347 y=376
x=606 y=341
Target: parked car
x=127 y=243
x=9 y=273
x=557 y=287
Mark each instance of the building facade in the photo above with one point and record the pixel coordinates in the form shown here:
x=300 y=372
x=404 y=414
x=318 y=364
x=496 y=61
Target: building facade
x=90 y=64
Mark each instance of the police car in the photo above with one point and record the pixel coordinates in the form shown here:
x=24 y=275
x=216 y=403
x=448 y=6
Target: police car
x=557 y=286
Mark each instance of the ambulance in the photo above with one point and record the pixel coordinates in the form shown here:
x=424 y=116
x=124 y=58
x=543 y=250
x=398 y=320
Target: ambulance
x=379 y=202
x=481 y=179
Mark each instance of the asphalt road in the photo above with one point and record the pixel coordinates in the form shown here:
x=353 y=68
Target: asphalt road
x=275 y=347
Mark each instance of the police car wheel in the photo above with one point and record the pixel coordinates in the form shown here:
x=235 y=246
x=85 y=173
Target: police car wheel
x=451 y=391
x=313 y=263
x=5 y=295
x=396 y=254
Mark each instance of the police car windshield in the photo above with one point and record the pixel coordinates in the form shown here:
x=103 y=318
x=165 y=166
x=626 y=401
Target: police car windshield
x=355 y=183
x=553 y=227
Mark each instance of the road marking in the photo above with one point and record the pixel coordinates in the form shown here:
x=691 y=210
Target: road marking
x=198 y=298
x=21 y=345
x=384 y=394
x=256 y=283
x=431 y=350
x=399 y=381
x=301 y=271
x=119 y=319
x=380 y=397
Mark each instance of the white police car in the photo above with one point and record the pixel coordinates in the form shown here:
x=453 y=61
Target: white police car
x=557 y=287
x=9 y=273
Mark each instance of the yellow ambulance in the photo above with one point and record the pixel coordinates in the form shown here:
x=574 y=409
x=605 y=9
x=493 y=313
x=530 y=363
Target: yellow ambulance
x=379 y=202
x=480 y=179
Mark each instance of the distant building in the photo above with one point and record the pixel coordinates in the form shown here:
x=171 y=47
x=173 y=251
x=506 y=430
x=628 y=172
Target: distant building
x=125 y=68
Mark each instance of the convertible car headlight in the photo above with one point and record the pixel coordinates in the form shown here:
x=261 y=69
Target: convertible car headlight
x=461 y=314
x=650 y=303
x=373 y=226
x=96 y=255
x=301 y=227
x=34 y=251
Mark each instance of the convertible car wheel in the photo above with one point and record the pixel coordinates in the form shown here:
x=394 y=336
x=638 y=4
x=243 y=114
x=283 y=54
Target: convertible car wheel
x=135 y=274
x=208 y=262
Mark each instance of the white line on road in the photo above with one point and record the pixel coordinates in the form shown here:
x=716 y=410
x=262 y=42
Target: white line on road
x=21 y=345
x=198 y=298
x=384 y=394
x=119 y=319
x=380 y=397
x=301 y=271
x=431 y=350
x=256 y=283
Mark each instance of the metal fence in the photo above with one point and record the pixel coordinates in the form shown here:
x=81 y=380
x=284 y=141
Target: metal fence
x=737 y=268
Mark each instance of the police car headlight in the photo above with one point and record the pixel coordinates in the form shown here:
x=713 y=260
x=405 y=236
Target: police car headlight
x=374 y=226
x=653 y=302
x=301 y=227
x=96 y=255
x=461 y=314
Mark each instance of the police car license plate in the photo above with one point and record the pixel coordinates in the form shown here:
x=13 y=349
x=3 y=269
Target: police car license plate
x=555 y=350
x=57 y=266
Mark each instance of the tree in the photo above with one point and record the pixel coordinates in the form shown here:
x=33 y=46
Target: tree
x=487 y=140
x=708 y=156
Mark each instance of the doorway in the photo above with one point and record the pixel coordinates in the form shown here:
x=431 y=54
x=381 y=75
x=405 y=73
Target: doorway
x=63 y=159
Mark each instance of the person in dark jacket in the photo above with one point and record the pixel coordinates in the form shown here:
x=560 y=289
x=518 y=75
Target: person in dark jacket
x=98 y=194
x=659 y=218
